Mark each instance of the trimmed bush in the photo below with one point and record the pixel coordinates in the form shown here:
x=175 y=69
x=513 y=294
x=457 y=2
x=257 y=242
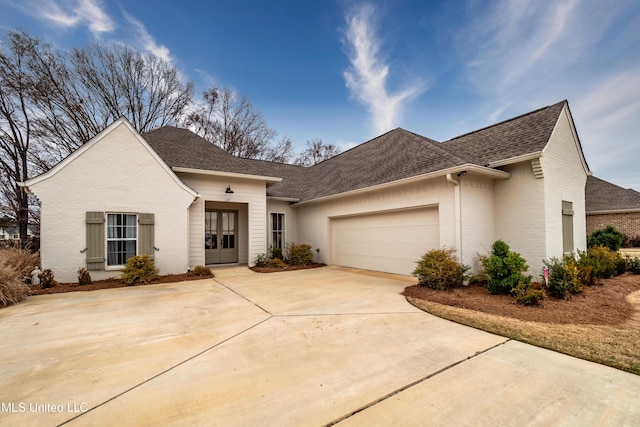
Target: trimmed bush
x=47 y=279
x=201 y=271
x=608 y=237
x=439 y=269
x=139 y=269
x=276 y=263
x=504 y=269
x=633 y=264
x=526 y=294
x=300 y=254
x=603 y=262
x=564 y=277
x=84 y=278
x=277 y=253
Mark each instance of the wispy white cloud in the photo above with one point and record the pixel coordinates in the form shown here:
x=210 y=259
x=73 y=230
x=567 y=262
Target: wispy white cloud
x=146 y=40
x=523 y=54
x=368 y=75
x=70 y=14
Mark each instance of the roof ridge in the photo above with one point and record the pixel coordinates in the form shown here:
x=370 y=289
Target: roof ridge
x=437 y=145
x=354 y=147
x=507 y=120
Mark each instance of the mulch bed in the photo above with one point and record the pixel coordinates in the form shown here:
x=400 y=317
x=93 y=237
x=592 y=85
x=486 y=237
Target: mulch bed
x=602 y=304
x=109 y=284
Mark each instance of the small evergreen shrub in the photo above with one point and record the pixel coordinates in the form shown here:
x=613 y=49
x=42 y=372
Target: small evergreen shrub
x=84 y=278
x=277 y=253
x=504 y=269
x=439 y=269
x=300 y=254
x=608 y=237
x=47 y=279
x=564 y=278
x=201 y=271
x=633 y=264
x=526 y=294
x=276 y=263
x=139 y=269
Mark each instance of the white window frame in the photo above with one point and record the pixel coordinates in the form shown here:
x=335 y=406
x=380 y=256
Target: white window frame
x=122 y=239
x=272 y=230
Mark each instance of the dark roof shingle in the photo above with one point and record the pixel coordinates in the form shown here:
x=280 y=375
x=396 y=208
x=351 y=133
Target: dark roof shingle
x=602 y=195
x=396 y=155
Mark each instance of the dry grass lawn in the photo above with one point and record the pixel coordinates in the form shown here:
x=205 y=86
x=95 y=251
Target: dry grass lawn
x=610 y=340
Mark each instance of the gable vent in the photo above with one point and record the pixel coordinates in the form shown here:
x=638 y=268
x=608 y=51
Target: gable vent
x=536 y=167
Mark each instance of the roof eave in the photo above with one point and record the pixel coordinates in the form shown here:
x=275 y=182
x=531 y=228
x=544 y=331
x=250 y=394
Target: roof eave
x=492 y=173
x=516 y=159
x=178 y=169
x=613 y=211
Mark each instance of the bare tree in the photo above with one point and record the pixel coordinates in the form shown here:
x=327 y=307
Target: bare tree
x=316 y=152
x=51 y=103
x=231 y=122
x=17 y=54
x=281 y=152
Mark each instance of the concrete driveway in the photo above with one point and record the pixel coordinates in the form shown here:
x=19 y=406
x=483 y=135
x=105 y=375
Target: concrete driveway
x=307 y=348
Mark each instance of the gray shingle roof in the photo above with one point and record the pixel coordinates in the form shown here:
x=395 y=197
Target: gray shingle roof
x=602 y=195
x=396 y=155
x=525 y=134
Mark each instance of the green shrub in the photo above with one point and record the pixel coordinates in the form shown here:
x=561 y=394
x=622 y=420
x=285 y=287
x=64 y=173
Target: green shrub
x=479 y=279
x=603 y=262
x=564 y=277
x=526 y=294
x=47 y=279
x=139 y=269
x=300 y=254
x=277 y=253
x=608 y=237
x=261 y=260
x=504 y=269
x=201 y=271
x=276 y=263
x=439 y=269
x=633 y=264
x=84 y=278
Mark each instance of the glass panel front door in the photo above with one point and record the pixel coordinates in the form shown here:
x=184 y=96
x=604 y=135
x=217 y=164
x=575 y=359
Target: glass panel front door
x=220 y=246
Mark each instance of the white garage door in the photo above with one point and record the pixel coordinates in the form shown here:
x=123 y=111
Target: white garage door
x=390 y=242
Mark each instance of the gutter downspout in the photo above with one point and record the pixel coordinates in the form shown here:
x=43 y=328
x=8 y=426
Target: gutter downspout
x=457 y=214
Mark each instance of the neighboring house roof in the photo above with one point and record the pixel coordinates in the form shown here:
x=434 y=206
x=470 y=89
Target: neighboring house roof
x=603 y=196
x=396 y=155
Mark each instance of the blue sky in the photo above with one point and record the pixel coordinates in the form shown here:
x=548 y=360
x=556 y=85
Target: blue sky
x=347 y=71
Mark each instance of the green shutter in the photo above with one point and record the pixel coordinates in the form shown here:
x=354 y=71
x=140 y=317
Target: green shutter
x=567 y=226
x=146 y=234
x=95 y=241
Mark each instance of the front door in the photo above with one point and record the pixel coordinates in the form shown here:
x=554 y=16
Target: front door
x=220 y=236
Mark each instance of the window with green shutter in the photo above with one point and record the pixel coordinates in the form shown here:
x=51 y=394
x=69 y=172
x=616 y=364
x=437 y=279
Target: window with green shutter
x=95 y=241
x=113 y=238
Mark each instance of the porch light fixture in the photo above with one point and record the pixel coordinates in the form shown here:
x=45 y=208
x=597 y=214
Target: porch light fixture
x=228 y=190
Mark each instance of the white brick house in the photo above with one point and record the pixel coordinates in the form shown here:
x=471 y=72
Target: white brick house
x=378 y=206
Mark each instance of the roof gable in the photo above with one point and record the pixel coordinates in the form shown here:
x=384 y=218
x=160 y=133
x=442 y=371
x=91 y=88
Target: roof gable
x=512 y=138
x=122 y=121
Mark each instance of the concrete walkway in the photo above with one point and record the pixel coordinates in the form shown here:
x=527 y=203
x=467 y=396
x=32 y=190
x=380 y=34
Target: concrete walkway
x=327 y=346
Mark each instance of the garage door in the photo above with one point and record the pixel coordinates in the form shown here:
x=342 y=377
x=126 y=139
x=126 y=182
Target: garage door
x=390 y=242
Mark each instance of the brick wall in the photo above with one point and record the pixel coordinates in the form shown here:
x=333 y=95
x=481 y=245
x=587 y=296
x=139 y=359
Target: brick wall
x=627 y=223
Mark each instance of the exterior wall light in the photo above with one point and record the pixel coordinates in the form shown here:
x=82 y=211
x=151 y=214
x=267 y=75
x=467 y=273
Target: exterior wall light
x=228 y=190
